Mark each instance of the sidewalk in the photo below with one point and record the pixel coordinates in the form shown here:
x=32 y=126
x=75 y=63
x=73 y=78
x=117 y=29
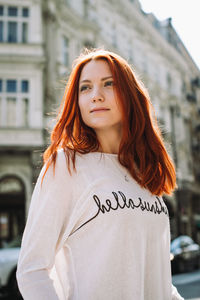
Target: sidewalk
x=188 y=285
x=186 y=278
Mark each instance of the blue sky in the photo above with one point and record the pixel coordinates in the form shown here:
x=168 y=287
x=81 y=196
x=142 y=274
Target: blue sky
x=185 y=19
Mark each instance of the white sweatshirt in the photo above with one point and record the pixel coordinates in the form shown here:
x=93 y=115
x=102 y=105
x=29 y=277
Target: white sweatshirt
x=95 y=235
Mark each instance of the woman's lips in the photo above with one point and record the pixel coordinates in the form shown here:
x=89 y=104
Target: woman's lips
x=99 y=109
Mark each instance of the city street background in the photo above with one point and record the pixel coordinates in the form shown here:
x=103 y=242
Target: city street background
x=39 y=40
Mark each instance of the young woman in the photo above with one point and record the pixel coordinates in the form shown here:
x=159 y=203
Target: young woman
x=98 y=228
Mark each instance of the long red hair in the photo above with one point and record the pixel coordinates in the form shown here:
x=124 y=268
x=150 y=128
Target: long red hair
x=141 y=151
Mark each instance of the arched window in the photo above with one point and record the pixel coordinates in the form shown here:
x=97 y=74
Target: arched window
x=12 y=208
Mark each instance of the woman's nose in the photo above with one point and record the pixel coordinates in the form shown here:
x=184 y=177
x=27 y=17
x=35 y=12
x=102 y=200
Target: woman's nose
x=97 y=96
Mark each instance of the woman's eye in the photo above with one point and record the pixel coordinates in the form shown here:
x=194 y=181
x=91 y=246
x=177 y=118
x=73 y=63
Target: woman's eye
x=109 y=83
x=84 y=87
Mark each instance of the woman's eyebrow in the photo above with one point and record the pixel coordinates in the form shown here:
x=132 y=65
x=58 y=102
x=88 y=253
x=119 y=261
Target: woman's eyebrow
x=102 y=79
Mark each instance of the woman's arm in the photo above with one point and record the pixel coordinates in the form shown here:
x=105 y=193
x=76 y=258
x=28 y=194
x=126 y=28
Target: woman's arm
x=48 y=217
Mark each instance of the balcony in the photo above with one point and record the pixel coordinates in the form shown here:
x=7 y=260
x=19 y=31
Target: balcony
x=21 y=52
x=21 y=137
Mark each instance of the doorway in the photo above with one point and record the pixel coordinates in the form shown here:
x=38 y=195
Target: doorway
x=12 y=209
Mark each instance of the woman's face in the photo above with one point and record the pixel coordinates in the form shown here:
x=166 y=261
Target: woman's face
x=97 y=101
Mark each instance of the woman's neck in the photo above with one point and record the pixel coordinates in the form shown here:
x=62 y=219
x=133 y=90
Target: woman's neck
x=109 y=140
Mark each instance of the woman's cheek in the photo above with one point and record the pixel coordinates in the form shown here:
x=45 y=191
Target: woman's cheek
x=85 y=115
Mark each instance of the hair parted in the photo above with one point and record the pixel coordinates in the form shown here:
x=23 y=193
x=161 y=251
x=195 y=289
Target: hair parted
x=142 y=149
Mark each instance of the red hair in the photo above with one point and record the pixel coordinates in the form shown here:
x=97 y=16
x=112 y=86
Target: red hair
x=141 y=150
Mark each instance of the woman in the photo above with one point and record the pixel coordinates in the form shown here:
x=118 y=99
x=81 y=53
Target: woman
x=98 y=228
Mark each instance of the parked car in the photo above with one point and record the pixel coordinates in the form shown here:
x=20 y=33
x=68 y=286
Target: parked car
x=185 y=254
x=8 y=265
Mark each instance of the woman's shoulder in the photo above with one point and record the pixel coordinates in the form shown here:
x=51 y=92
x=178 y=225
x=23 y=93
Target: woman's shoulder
x=79 y=157
x=83 y=161
x=65 y=159
x=60 y=155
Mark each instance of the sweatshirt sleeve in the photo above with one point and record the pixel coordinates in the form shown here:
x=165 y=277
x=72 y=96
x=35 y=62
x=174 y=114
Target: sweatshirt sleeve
x=48 y=217
x=175 y=294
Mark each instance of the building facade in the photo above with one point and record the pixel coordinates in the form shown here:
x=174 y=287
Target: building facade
x=38 y=43
x=22 y=62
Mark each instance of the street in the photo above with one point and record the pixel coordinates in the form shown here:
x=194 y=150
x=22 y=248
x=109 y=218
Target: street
x=188 y=284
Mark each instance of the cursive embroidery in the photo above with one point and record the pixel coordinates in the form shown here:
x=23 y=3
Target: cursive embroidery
x=122 y=202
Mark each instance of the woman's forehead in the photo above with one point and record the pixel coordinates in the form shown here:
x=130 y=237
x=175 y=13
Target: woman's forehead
x=95 y=68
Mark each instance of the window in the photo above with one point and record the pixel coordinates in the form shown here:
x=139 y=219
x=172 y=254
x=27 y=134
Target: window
x=1 y=31
x=89 y=44
x=11 y=86
x=25 y=12
x=169 y=80
x=1 y=10
x=12 y=32
x=65 y=51
x=14 y=24
x=24 y=32
x=114 y=35
x=14 y=102
x=86 y=4
x=24 y=86
x=4 y=225
x=12 y=11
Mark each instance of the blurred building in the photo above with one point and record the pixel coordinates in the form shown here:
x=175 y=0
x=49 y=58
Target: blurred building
x=38 y=42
